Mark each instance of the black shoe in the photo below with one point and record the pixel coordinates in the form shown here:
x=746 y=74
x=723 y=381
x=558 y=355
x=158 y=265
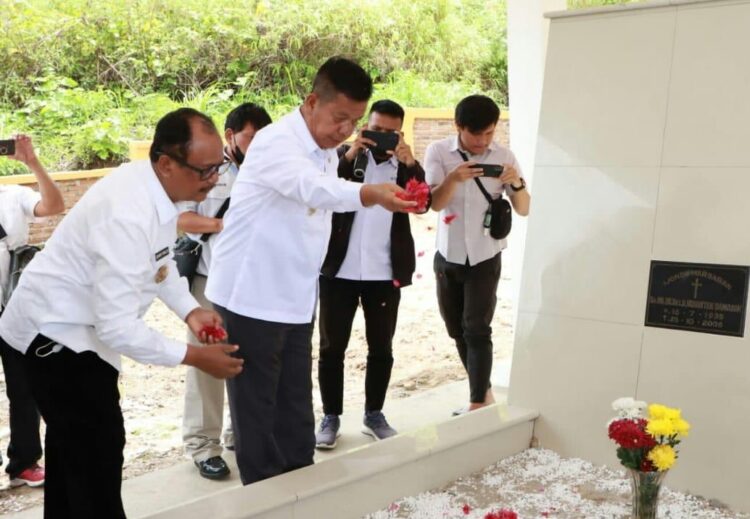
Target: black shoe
x=213 y=468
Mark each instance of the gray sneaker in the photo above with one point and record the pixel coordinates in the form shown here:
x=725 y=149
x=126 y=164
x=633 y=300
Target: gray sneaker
x=326 y=436
x=375 y=425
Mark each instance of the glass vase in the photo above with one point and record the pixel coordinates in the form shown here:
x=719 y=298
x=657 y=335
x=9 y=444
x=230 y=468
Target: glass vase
x=646 y=487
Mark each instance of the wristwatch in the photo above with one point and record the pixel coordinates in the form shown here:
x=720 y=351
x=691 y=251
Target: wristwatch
x=516 y=189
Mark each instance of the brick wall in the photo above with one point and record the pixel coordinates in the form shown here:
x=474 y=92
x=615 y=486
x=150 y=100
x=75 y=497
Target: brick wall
x=429 y=130
x=72 y=190
x=425 y=131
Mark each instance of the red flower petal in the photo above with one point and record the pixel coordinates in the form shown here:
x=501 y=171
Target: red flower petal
x=214 y=332
x=447 y=219
x=420 y=254
x=466 y=509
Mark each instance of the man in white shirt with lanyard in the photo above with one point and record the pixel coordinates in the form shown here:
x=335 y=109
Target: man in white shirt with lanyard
x=204 y=395
x=19 y=207
x=80 y=305
x=467 y=262
x=264 y=271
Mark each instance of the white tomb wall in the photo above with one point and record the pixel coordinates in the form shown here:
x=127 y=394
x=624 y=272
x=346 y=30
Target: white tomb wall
x=643 y=154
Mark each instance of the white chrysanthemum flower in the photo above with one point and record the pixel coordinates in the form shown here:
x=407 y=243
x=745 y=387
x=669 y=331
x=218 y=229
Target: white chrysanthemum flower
x=628 y=407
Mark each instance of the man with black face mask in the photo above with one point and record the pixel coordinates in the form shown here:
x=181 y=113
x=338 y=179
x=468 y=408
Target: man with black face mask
x=204 y=394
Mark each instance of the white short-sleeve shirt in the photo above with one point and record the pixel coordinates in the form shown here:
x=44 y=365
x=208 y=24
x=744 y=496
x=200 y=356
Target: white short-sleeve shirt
x=17 y=205
x=464 y=238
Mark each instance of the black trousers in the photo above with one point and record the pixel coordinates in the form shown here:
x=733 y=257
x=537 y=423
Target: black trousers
x=467 y=297
x=271 y=400
x=25 y=447
x=78 y=397
x=339 y=299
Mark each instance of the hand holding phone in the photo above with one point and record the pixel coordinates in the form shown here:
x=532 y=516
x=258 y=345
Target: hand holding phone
x=490 y=170
x=384 y=141
x=7 y=147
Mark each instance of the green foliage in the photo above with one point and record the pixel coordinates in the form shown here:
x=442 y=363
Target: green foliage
x=580 y=4
x=84 y=77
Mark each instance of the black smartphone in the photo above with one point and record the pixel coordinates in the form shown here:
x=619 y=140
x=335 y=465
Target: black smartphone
x=7 y=147
x=490 y=170
x=384 y=141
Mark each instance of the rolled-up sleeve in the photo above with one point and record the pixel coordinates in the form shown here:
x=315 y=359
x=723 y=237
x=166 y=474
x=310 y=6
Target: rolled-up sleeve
x=122 y=263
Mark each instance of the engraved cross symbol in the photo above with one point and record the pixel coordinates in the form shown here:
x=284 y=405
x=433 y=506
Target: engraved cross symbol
x=696 y=285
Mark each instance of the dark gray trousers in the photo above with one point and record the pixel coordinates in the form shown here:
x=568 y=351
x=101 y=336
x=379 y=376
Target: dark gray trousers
x=467 y=297
x=271 y=400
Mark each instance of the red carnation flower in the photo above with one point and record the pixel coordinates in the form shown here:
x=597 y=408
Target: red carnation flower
x=631 y=433
x=466 y=509
x=647 y=466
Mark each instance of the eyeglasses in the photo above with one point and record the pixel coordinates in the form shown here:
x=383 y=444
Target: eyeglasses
x=203 y=173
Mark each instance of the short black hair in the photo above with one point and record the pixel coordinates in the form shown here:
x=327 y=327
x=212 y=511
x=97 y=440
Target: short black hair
x=244 y=114
x=340 y=75
x=476 y=112
x=173 y=134
x=388 y=107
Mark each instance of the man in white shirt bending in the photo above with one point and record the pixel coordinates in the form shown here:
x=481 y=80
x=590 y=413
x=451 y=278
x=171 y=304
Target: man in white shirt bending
x=80 y=305
x=263 y=277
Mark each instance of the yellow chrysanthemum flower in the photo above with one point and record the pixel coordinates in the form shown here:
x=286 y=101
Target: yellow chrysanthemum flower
x=663 y=457
x=657 y=411
x=672 y=414
x=660 y=427
x=681 y=427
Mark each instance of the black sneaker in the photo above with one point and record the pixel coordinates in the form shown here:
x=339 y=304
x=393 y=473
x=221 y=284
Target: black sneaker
x=213 y=468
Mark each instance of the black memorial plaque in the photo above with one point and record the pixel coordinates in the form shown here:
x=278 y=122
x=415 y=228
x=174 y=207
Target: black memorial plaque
x=697 y=297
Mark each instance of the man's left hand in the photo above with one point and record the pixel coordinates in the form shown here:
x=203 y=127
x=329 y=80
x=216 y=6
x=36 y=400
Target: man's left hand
x=510 y=176
x=199 y=319
x=403 y=152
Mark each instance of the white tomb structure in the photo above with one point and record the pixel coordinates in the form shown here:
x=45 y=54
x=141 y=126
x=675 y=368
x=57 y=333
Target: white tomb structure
x=643 y=154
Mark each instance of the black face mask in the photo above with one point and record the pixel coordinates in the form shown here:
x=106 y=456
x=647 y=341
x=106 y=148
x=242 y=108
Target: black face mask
x=238 y=155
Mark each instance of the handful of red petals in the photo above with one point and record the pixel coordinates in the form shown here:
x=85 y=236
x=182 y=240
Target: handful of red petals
x=217 y=333
x=418 y=192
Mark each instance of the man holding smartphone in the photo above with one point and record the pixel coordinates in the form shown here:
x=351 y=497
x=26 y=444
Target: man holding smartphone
x=467 y=262
x=19 y=207
x=370 y=256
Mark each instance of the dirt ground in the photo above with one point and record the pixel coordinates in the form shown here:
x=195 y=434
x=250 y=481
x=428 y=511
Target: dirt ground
x=152 y=397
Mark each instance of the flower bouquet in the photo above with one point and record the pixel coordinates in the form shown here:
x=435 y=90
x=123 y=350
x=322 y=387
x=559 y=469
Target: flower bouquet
x=647 y=447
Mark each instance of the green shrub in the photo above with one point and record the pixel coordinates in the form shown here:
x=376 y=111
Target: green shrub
x=103 y=72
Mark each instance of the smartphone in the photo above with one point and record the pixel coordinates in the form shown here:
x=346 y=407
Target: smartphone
x=7 y=147
x=490 y=170
x=384 y=141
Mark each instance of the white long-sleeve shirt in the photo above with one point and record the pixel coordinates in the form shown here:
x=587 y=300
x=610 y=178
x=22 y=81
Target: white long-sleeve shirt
x=265 y=263
x=99 y=272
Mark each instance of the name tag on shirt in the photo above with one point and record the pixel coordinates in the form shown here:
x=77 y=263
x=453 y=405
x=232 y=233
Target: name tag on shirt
x=162 y=253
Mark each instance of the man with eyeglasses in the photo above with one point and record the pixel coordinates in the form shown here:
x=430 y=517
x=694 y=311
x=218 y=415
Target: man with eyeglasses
x=203 y=416
x=80 y=304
